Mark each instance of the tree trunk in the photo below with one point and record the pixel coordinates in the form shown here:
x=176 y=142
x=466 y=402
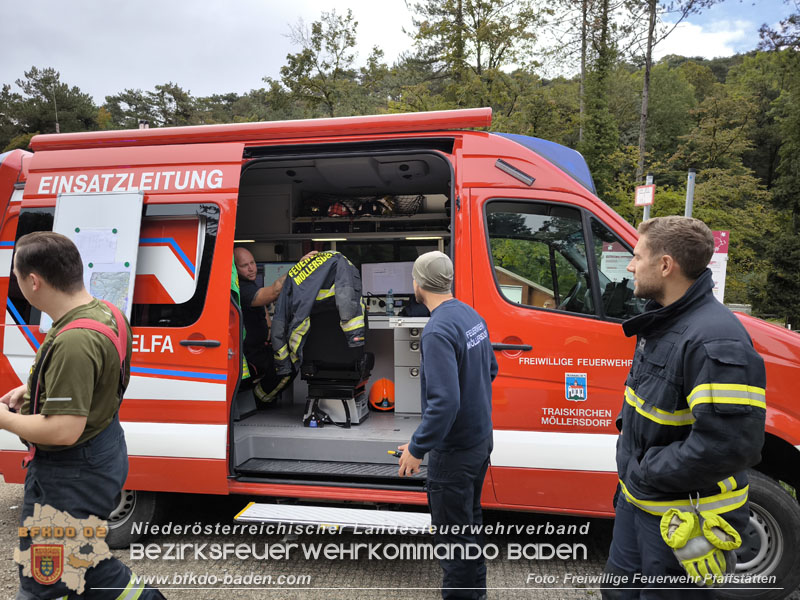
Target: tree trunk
x=459 y=44
x=648 y=62
x=581 y=90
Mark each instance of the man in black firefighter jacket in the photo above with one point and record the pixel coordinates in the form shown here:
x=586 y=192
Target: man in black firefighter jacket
x=692 y=422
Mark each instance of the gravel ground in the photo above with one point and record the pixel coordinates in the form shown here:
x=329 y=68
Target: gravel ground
x=332 y=579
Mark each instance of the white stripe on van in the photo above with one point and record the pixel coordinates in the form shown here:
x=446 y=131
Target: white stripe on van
x=16 y=196
x=175 y=440
x=168 y=269
x=6 y=254
x=159 y=388
x=17 y=348
x=554 y=450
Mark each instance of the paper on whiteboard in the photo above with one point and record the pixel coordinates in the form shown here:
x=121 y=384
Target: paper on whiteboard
x=96 y=245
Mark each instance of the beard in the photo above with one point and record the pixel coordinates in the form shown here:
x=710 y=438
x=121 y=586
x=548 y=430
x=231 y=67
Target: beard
x=646 y=291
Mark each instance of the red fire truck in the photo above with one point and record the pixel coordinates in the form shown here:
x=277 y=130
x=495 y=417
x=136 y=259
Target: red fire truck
x=536 y=252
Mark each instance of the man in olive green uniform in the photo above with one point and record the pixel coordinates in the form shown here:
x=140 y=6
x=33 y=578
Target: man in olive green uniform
x=68 y=409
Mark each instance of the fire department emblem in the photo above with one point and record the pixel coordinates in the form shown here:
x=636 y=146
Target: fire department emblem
x=575 y=387
x=47 y=562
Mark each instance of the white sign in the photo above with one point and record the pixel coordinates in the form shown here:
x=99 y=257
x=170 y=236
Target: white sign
x=644 y=195
x=719 y=263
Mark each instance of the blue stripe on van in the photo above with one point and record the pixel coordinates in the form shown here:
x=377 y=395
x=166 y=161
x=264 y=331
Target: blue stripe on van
x=170 y=372
x=21 y=322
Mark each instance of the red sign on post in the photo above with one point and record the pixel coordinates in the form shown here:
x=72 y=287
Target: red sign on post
x=644 y=195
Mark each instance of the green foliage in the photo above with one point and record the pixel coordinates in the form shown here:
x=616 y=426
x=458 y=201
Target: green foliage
x=44 y=101
x=21 y=141
x=736 y=119
x=322 y=76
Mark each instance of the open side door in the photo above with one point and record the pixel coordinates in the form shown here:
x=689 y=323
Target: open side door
x=177 y=403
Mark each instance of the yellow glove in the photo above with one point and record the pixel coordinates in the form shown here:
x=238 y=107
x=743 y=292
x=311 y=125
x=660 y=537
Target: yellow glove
x=702 y=543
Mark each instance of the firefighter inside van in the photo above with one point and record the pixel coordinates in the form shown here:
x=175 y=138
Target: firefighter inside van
x=255 y=317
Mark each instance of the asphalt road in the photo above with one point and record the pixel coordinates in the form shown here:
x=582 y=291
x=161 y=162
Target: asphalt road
x=201 y=575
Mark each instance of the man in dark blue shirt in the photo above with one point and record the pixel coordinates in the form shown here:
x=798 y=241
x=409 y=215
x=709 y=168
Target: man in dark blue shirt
x=458 y=367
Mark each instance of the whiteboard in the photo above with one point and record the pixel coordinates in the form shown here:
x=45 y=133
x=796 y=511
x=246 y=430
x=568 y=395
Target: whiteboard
x=105 y=228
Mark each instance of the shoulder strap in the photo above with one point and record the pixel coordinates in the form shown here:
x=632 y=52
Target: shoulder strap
x=120 y=341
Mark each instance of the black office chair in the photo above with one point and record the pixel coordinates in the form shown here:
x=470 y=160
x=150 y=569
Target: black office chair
x=337 y=375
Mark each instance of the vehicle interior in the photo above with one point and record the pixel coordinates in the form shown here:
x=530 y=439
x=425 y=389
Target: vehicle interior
x=381 y=209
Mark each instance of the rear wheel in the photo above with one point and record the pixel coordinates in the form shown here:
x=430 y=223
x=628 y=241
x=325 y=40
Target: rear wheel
x=134 y=507
x=769 y=544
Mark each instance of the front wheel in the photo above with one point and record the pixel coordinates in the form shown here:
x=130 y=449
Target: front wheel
x=769 y=550
x=134 y=507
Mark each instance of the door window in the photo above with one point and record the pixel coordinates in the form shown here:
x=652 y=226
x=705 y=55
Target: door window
x=539 y=255
x=616 y=283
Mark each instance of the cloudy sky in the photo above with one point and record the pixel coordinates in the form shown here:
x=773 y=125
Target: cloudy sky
x=211 y=46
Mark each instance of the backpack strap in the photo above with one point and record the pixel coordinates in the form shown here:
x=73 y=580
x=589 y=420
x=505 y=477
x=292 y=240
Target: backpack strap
x=120 y=339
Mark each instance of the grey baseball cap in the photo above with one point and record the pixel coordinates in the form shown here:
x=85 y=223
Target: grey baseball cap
x=433 y=272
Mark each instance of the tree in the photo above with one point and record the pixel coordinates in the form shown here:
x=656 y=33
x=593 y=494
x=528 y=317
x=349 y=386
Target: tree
x=762 y=78
x=322 y=75
x=45 y=105
x=655 y=10
x=601 y=135
x=670 y=111
x=470 y=45
x=782 y=288
x=168 y=105
x=786 y=35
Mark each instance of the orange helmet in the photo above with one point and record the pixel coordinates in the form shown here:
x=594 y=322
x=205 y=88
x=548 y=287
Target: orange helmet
x=381 y=395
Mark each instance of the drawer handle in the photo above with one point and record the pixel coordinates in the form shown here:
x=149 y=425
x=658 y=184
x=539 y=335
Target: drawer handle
x=415 y=346
x=414 y=371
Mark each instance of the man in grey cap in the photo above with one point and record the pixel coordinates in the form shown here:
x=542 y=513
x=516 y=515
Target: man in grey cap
x=458 y=367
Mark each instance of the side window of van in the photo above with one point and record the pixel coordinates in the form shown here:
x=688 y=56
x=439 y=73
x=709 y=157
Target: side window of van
x=30 y=220
x=176 y=246
x=539 y=255
x=616 y=283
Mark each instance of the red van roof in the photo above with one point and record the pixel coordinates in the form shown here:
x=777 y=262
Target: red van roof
x=388 y=123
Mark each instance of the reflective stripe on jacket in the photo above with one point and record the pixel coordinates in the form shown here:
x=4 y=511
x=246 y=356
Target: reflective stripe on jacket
x=694 y=408
x=317 y=278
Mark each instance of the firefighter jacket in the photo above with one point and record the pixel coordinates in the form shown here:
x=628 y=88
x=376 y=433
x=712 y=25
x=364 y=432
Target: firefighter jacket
x=694 y=410
x=324 y=275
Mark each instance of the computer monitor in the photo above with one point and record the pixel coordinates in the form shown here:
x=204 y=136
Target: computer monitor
x=268 y=272
x=378 y=278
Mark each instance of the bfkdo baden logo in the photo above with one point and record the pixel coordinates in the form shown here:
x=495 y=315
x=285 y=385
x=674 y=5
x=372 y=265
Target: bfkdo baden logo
x=62 y=548
x=47 y=562
x=575 y=387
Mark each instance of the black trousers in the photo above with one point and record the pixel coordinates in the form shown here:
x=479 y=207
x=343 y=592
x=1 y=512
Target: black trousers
x=455 y=481
x=82 y=481
x=637 y=547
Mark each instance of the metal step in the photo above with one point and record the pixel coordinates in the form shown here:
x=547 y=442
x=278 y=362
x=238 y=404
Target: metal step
x=359 y=519
x=317 y=468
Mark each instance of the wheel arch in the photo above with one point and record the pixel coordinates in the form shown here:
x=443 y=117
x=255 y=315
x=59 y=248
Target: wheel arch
x=780 y=460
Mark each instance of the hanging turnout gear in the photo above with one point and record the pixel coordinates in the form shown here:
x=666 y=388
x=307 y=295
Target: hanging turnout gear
x=326 y=274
